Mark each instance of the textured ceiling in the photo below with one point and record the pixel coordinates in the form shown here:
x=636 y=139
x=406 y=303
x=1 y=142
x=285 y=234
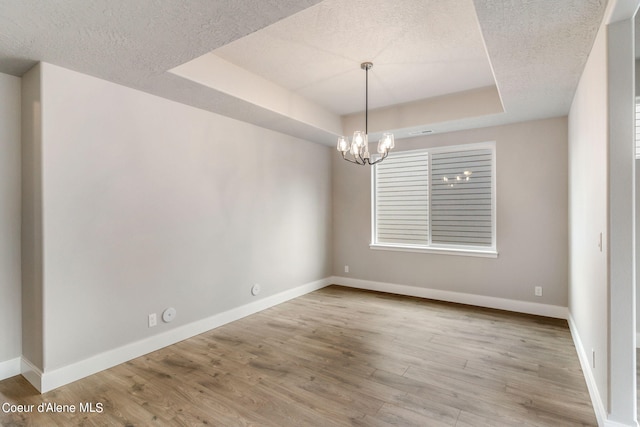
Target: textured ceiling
x=126 y=40
x=421 y=49
x=538 y=56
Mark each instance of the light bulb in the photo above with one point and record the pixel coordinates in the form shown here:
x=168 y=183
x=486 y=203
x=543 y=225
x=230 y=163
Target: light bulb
x=343 y=144
x=389 y=141
x=359 y=138
x=382 y=147
x=355 y=150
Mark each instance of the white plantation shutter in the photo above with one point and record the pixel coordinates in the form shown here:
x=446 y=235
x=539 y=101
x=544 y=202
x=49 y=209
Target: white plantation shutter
x=461 y=198
x=402 y=199
x=436 y=199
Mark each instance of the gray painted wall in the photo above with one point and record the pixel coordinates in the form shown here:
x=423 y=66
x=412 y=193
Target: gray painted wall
x=32 y=287
x=531 y=220
x=10 y=276
x=588 y=216
x=637 y=74
x=637 y=251
x=148 y=203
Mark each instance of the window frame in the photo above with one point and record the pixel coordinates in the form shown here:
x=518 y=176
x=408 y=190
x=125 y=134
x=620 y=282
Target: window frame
x=438 y=248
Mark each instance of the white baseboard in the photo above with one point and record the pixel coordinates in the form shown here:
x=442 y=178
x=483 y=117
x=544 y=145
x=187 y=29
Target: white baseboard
x=9 y=368
x=596 y=400
x=50 y=380
x=31 y=373
x=610 y=423
x=458 y=297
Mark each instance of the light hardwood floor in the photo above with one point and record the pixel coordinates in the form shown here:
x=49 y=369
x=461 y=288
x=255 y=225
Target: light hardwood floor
x=336 y=357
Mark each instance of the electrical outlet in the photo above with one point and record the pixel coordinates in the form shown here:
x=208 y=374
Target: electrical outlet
x=153 y=320
x=346 y=268
x=593 y=358
x=537 y=291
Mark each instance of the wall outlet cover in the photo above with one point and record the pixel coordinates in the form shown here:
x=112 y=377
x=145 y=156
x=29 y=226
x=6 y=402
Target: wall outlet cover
x=153 y=321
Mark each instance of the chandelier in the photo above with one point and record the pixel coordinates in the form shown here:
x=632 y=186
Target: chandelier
x=358 y=148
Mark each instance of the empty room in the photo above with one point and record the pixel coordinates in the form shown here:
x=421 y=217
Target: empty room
x=318 y=212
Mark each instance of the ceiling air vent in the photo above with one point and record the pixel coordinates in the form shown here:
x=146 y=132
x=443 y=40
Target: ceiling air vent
x=420 y=132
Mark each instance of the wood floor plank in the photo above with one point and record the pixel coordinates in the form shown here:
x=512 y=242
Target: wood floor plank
x=400 y=416
x=340 y=357
x=473 y=400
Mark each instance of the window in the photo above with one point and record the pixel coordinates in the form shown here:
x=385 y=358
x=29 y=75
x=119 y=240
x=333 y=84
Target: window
x=436 y=200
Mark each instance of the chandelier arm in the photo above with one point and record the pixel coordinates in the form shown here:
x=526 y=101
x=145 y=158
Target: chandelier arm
x=384 y=156
x=350 y=160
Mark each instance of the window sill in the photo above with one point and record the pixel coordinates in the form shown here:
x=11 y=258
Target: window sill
x=483 y=253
